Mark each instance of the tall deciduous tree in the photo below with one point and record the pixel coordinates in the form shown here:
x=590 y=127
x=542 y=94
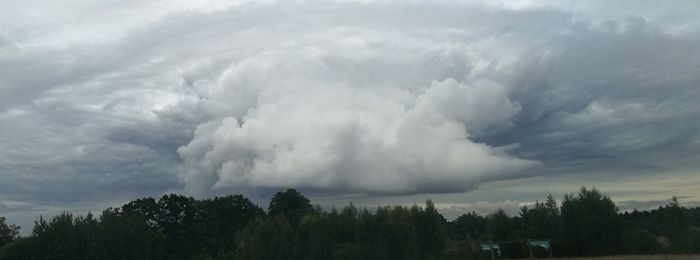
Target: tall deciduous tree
x=291 y=205
x=177 y=220
x=128 y=236
x=590 y=224
x=220 y=220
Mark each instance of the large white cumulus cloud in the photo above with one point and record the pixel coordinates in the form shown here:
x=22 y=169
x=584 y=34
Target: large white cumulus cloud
x=353 y=105
x=385 y=97
x=361 y=140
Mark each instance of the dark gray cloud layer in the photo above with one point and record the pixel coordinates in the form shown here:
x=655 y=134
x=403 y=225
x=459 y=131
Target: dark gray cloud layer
x=385 y=97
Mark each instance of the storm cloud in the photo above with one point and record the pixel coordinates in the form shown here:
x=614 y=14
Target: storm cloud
x=363 y=103
x=111 y=100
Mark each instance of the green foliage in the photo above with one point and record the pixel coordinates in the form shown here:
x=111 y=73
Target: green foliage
x=500 y=226
x=266 y=239
x=315 y=236
x=128 y=236
x=467 y=226
x=397 y=234
x=676 y=226
x=174 y=227
x=590 y=224
x=640 y=242
x=220 y=218
x=21 y=249
x=146 y=208
x=8 y=233
x=232 y=227
x=430 y=231
x=693 y=240
x=66 y=237
x=291 y=205
x=458 y=251
x=352 y=251
x=541 y=221
x=176 y=218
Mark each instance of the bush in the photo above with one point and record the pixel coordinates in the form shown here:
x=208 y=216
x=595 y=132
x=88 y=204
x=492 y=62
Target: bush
x=640 y=242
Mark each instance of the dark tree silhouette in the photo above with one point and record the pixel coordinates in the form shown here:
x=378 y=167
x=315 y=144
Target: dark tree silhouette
x=430 y=231
x=8 y=233
x=128 y=236
x=232 y=227
x=590 y=224
x=291 y=205
x=266 y=239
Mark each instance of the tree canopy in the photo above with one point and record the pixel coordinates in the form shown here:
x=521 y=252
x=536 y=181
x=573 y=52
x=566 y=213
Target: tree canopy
x=232 y=227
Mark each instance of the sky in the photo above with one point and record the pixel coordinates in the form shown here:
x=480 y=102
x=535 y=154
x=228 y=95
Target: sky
x=477 y=105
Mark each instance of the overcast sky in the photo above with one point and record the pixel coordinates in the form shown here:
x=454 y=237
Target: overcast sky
x=477 y=105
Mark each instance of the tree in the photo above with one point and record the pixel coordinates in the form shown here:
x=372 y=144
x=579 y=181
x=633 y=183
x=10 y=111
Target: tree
x=541 y=221
x=8 y=233
x=65 y=237
x=128 y=236
x=590 y=224
x=232 y=227
x=177 y=220
x=315 y=236
x=147 y=208
x=674 y=224
x=271 y=239
x=291 y=205
x=674 y=216
x=396 y=234
x=430 y=231
x=222 y=218
x=500 y=226
x=466 y=226
x=348 y=225
x=640 y=242
x=21 y=249
x=352 y=251
x=459 y=250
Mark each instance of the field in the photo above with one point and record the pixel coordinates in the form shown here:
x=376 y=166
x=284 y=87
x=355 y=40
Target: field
x=640 y=257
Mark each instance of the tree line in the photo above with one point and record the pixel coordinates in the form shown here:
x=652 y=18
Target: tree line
x=232 y=227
